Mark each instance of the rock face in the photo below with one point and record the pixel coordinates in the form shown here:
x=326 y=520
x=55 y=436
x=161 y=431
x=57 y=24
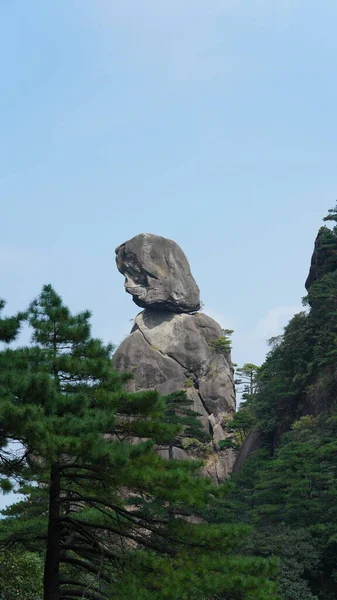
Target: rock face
x=252 y=443
x=323 y=259
x=170 y=350
x=157 y=274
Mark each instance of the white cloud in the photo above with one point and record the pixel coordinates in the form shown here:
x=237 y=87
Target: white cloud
x=249 y=343
x=274 y=321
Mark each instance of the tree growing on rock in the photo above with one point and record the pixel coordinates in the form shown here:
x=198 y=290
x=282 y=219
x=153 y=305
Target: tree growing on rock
x=178 y=412
x=223 y=344
x=247 y=380
x=243 y=420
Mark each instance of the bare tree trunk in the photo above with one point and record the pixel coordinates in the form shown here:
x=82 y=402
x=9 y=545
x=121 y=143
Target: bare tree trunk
x=52 y=562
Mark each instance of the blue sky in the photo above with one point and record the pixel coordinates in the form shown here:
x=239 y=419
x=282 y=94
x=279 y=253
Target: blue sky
x=211 y=123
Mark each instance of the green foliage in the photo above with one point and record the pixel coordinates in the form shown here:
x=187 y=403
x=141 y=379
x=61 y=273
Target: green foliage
x=191 y=435
x=326 y=251
x=295 y=363
x=295 y=493
x=323 y=302
x=284 y=376
x=332 y=214
x=288 y=489
x=9 y=330
x=242 y=422
x=297 y=556
x=179 y=414
x=111 y=517
x=21 y=576
x=303 y=423
x=227 y=443
x=9 y=326
x=196 y=447
x=247 y=380
x=244 y=419
x=223 y=344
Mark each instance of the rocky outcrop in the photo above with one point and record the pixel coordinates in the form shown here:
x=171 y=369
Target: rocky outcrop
x=323 y=258
x=252 y=443
x=157 y=274
x=170 y=350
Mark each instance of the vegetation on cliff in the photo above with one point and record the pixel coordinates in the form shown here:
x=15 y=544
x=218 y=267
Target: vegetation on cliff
x=288 y=489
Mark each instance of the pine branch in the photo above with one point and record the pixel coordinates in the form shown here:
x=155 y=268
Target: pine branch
x=86 y=567
x=83 y=551
x=79 y=593
x=139 y=538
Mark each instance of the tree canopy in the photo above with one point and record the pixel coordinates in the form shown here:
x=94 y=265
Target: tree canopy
x=108 y=515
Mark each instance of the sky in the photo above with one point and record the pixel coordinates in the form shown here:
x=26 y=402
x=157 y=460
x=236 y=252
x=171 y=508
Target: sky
x=210 y=123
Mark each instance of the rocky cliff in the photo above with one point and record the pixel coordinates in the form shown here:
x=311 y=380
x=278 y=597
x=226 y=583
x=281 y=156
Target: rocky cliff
x=299 y=376
x=172 y=346
x=324 y=256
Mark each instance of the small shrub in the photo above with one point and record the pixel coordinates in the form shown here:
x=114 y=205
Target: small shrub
x=228 y=443
x=222 y=345
x=306 y=422
x=199 y=448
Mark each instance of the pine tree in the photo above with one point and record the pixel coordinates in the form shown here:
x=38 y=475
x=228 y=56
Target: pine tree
x=68 y=396
x=9 y=330
x=244 y=419
x=178 y=412
x=102 y=507
x=247 y=379
x=9 y=326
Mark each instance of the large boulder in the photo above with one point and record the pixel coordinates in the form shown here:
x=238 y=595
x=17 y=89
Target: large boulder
x=170 y=352
x=187 y=339
x=172 y=347
x=150 y=368
x=157 y=274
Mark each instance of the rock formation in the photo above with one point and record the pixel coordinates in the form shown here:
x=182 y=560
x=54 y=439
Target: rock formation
x=323 y=258
x=171 y=346
x=157 y=274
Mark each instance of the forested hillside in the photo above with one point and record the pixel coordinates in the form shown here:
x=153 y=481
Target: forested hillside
x=103 y=516
x=287 y=489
